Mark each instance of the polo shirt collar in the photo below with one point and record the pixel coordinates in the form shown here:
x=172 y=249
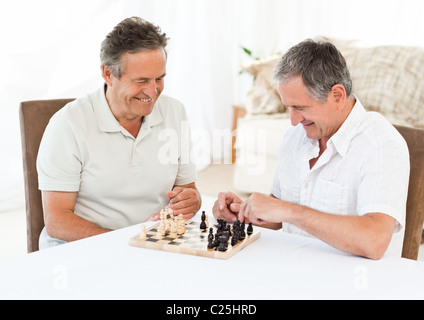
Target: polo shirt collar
x=155 y=117
x=105 y=118
x=107 y=121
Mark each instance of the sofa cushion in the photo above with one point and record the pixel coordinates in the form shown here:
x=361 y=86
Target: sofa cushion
x=263 y=98
x=387 y=79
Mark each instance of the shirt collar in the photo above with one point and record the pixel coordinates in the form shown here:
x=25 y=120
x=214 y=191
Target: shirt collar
x=105 y=118
x=155 y=117
x=107 y=121
x=342 y=138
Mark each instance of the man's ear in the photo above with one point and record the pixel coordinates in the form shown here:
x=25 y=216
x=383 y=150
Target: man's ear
x=338 y=94
x=107 y=75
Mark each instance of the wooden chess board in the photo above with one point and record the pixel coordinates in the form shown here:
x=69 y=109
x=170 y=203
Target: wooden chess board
x=194 y=241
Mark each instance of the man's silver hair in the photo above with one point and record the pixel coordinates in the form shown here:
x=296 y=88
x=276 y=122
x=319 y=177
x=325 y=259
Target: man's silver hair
x=320 y=65
x=130 y=35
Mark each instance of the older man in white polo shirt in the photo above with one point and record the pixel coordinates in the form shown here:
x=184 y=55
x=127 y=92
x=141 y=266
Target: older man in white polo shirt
x=342 y=173
x=99 y=163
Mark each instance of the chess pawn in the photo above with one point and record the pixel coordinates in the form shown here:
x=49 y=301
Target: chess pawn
x=162 y=219
x=233 y=240
x=210 y=236
x=229 y=230
x=207 y=221
x=181 y=224
x=216 y=240
x=249 y=229
x=180 y=228
x=236 y=235
x=173 y=230
x=167 y=226
x=219 y=224
x=143 y=232
x=242 y=232
x=203 y=223
x=161 y=226
x=162 y=229
x=222 y=244
x=210 y=244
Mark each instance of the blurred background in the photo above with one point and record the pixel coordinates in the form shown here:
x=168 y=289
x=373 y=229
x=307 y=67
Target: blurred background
x=50 y=49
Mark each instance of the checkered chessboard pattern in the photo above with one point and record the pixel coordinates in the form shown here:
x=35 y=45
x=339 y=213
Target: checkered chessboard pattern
x=193 y=237
x=193 y=242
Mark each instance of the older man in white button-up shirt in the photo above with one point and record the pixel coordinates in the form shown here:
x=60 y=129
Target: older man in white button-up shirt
x=342 y=173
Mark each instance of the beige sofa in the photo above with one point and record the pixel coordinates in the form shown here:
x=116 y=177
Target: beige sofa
x=387 y=79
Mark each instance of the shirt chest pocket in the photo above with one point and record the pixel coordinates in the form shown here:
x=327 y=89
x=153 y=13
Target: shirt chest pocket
x=330 y=197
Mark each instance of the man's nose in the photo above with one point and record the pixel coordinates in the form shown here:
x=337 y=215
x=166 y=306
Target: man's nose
x=151 y=89
x=295 y=117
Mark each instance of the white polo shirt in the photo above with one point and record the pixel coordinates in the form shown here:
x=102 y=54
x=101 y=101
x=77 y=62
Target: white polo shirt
x=364 y=169
x=120 y=180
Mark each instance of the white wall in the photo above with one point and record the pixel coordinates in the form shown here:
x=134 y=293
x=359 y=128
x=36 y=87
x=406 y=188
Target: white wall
x=50 y=49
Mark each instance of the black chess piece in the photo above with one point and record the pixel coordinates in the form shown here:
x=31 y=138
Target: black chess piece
x=210 y=243
x=236 y=236
x=236 y=226
x=242 y=232
x=210 y=236
x=203 y=223
x=222 y=244
x=249 y=229
x=218 y=225
x=227 y=238
x=216 y=240
x=234 y=240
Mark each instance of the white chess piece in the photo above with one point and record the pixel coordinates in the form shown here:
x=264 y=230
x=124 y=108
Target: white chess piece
x=180 y=226
x=173 y=230
x=162 y=230
x=143 y=232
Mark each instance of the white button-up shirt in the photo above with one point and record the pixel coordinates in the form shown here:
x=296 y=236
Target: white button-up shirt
x=364 y=169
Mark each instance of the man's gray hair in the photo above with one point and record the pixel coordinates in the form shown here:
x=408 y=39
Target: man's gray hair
x=320 y=65
x=130 y=35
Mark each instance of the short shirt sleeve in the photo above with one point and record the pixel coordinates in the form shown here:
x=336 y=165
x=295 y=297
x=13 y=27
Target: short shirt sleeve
x=384 y=182
x=58 y=160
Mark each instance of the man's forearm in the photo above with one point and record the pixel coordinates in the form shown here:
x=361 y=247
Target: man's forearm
x=367 y=235
x=67 y=226
x=60 y=220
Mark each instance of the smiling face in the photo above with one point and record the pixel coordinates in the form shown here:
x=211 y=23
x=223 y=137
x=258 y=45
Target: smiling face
x=320 y=120
x=134 y=94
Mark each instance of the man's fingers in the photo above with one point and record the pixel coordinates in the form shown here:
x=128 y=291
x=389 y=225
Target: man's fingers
x=235 y=207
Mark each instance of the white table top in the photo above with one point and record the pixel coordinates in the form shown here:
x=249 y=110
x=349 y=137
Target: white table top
x=276 y=266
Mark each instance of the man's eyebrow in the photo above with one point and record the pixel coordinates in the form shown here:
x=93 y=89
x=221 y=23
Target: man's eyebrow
x=297 y=107
x=147 y=79
x=293 y=106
